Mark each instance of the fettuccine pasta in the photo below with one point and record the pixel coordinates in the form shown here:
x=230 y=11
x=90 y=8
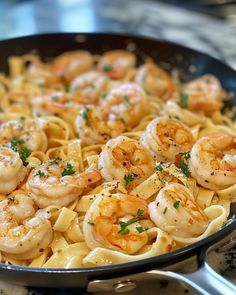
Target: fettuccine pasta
x=103 y=161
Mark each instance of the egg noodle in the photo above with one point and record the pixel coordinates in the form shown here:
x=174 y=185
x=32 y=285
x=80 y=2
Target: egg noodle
x=103 y=161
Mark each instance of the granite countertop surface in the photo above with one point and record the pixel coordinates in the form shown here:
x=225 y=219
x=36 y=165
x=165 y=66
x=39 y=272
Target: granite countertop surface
x=149 y=18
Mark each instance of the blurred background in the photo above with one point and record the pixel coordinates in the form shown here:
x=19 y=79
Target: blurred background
x=206 y=25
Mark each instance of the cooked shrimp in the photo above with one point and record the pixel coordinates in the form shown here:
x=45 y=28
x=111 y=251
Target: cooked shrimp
x=167 y=138
x=127 y=102
x=155 y=80
x=12 y=171
x=54 y=103
x=88 y=86
x=93 y=126
x=71 y=64
x=204 y=94
x=184 y=115
x=57 y=183
x=27 y=131
x=123 y=158
x=113 y=222
x=176 y=212
x=117 y=63
x=41 y=75
x=213 y=161
x=24 y=234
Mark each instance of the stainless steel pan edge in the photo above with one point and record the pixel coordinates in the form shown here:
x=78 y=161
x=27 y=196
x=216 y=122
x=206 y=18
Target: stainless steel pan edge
x=204 y=280
x=50 y=45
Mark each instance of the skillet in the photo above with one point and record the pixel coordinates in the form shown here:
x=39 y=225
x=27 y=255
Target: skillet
x=122 y=277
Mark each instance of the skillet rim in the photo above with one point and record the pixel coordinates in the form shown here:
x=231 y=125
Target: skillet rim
x=160 y=260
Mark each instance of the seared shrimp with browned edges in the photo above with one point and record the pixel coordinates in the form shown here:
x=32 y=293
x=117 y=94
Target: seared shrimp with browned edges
x=176 y=212
x=24 y=232
x=89 y=86
x=126 y=102
x=12 y=170
x=203 y=94
x=155 y=80
x=57 y=183
x=125 y=159
x=26 y=131
x=117 y=63
x=213 y=161
x=70 y=64
x=94 y=126
x=115 y=222
x=167 y=138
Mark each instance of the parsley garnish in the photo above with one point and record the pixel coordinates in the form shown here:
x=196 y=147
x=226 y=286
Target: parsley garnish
x=140 y=229
x=14 y=142
x=103 y=96
x=24 y=153
x=107 y=68
x=123 y=225
x=68 y=170
x=183 y=100
x=184 y=167
x=176 y=204
x=55 y=160
x=186 y=155
x=140 y=212
x=158 y=167
x=40 y=173
x=158 y=203
x=84 y=114
x=128 y=178
x=91 y=84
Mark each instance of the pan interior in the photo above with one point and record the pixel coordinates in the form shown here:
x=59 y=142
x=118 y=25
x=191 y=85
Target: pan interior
x=189 y=63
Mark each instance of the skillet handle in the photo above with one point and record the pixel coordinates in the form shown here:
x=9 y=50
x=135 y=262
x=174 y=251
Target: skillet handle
x=204 y=280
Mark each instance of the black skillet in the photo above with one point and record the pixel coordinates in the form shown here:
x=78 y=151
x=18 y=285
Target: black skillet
x=122 y=277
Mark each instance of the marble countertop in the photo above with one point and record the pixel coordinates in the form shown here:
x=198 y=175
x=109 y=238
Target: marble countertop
x=149 y=18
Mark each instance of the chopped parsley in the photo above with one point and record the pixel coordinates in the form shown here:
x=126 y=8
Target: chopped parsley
x=140 y=212
x=158 y=167
x=55 y=160
x=158 y=203
x=84 y=114
x=24 y=153
x=183 y=100
x=91 y=84
x=184 y=167
x=140 y=229
x=123 y=225
x=176 y=204
x=68 y=170
x=40 y=173
x=165 y=210
x=128 y=178
x=1 y=110
x=103 y=96
x=14 y=143
x=107 y=68
x=186 y=155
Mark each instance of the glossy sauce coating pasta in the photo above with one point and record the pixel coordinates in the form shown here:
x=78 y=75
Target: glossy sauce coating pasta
x=103 y=161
